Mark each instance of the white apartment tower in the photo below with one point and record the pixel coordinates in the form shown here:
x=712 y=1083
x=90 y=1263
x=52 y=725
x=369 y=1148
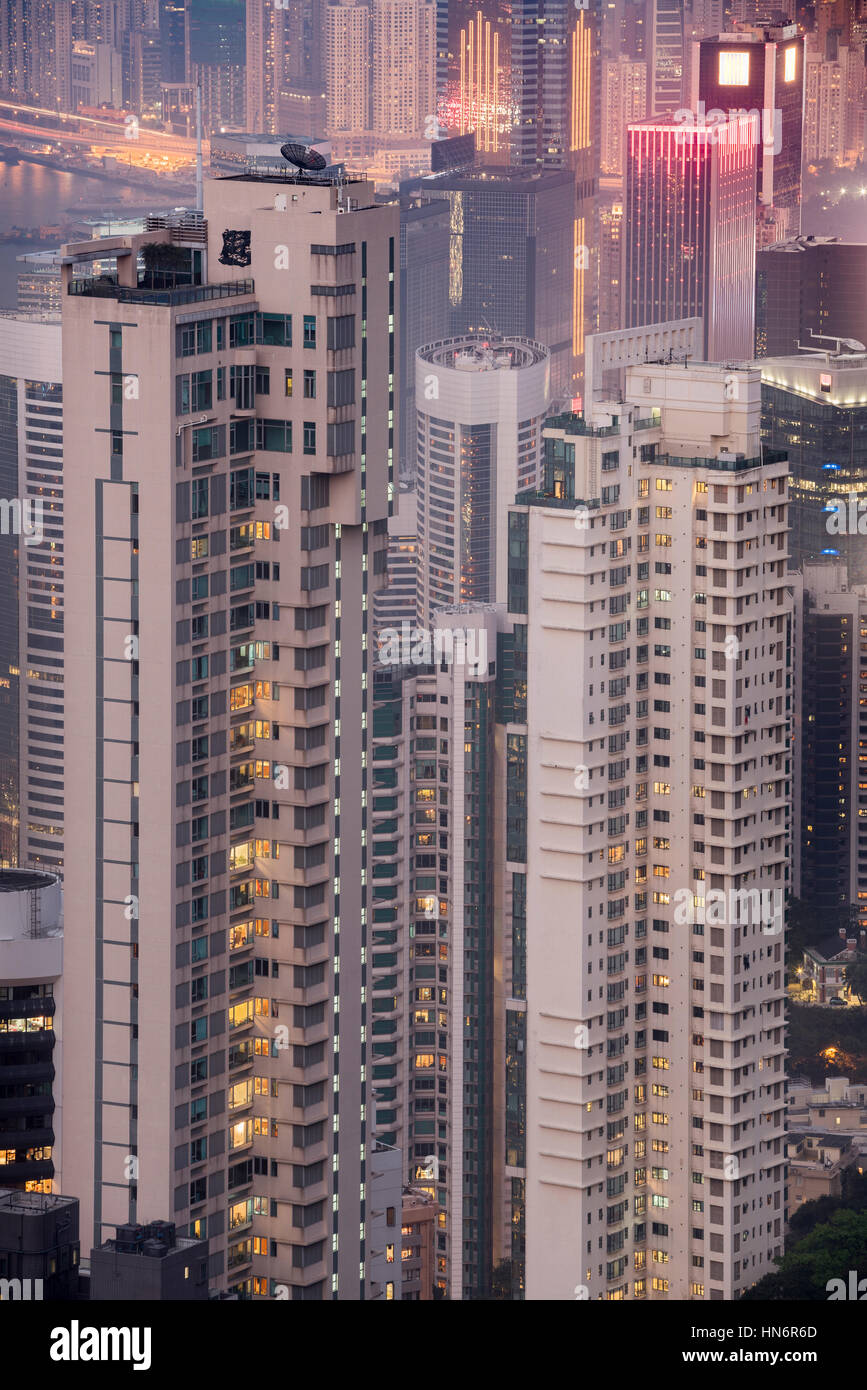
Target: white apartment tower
x=481 y=403
x=404 y=66
x=648 y=814
x=231 y=422
x=347 y=66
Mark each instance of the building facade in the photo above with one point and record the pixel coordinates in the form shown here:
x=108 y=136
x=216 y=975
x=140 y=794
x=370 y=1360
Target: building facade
x=648 y=1094
x=519 y=262
x=689 y=242
x=815 y=406
x=481 y=405
x=761 y=71
x=32 y=679
x=809 y=285
x=31 y=1031
x=220 y=956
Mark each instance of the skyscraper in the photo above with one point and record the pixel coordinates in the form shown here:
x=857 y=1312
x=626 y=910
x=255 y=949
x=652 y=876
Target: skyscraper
x=761 y=71
x=516 y=264
x=809 y=284
x=424 y=303
x=266 y=47
x=31 y=1009
x=815 y=406
x=833 y=640
x=624 y=99
x=219 y=1056
x=403 y=97
x=689 y=220
x=302 y=93
x=666 y=56
x=481 y=404
x=347 y=66
x=217 y=51
x=436 y=934
x=32 y=675
x=524 y=76
x=650 y=904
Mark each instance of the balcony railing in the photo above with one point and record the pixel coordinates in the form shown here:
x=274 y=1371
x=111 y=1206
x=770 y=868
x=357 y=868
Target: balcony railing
x=105 y=287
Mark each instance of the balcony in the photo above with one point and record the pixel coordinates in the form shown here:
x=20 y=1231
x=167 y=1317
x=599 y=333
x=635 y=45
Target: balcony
x=35 y=1007
x=20 y=1042
x=105 y=287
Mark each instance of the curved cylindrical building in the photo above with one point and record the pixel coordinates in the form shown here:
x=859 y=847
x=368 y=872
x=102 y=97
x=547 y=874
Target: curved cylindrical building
x=481 y=404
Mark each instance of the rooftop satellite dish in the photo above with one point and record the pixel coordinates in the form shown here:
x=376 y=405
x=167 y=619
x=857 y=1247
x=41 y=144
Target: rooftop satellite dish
x=303 y=157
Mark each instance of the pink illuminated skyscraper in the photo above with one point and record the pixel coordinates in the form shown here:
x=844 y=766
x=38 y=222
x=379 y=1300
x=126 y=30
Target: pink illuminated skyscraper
x=690 y=228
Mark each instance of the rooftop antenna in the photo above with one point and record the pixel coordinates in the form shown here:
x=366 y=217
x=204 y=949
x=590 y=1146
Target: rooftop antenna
x=200 y=190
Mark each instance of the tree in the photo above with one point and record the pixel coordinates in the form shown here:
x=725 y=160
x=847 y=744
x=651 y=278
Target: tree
x=829 y=1251
x=856 y=978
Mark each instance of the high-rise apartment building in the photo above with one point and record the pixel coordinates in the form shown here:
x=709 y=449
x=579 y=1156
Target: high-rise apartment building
x=397 y=603
x=833 y=94
x=143 y=55
x=437 y=1031
x=35 y=51
x=815 y=406
x=809 y=285
x=689 y=230
x=302 y=94
x=265 y=60
x=403 y=95
x=32 y=676
x=236 y=434
x=832 y=726
x=481 y=405
x=624 y=99
x=380 y=68
x=647 y=819
x=760 y=71
x=347 y=66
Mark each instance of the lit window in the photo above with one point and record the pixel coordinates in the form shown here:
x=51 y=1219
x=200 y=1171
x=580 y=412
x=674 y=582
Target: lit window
x=734 y=69
x=790 y=63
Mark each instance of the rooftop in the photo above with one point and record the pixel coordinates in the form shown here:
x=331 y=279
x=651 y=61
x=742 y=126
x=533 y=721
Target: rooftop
x=32 y=1203
x=24 y=880
x=483 y=353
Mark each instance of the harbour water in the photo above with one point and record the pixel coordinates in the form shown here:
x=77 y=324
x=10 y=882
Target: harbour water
x=33 y=196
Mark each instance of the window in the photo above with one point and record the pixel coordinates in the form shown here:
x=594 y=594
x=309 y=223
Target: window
x=209 y=442
x=288 y=381
x=310 y=330
x=734 y=68
x=199 y=498
x=309 y=435
x=309 y=385
x=275 y=330
x=274 y=435
x=241 y=330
